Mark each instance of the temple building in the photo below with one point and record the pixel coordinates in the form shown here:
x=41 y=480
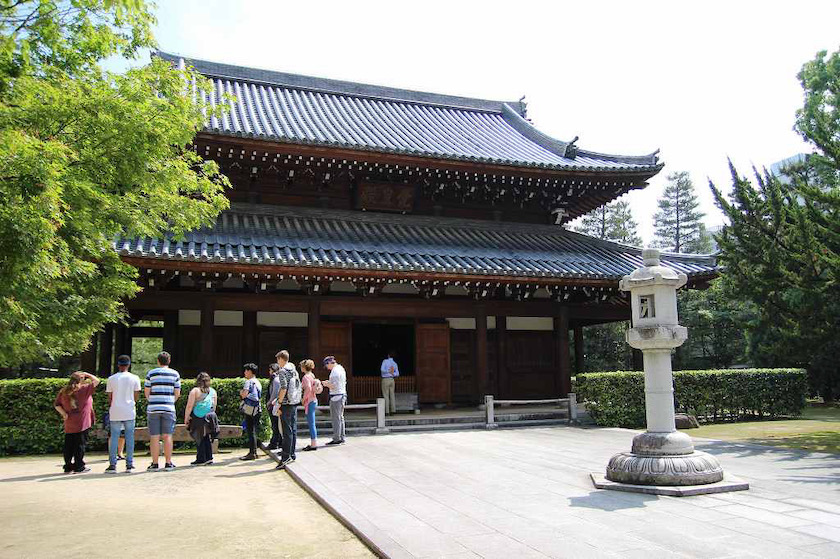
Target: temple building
x=365 y=219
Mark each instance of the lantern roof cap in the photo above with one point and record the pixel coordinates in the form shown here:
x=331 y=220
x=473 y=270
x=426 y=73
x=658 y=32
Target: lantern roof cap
x=653 y=273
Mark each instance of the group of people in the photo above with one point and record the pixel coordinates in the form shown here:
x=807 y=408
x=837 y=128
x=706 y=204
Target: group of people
x=162 y=388
x=287 y=390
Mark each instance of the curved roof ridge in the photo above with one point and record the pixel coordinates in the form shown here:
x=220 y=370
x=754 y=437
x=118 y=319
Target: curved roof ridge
x=518 y=122
x=649 y=159
x=558 y=147
x=340 y=87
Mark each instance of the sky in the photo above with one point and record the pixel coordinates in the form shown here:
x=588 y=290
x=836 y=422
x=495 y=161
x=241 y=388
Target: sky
x=700 y=81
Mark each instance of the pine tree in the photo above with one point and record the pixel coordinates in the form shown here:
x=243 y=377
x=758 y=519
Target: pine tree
x=624 y=227
x=612 y=222
x=781 y=249
x=679 y=226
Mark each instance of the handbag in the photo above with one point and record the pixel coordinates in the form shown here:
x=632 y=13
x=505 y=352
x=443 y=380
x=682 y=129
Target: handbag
x=248 y=406
x=249 y=409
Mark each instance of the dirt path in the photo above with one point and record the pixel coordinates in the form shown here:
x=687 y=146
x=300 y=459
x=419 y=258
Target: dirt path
x=244 y=509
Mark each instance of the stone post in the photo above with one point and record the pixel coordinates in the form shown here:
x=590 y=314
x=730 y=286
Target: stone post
x=490 y=412
x=381 y=429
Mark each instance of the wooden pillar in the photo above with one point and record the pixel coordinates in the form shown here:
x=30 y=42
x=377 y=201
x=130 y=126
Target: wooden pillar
x=205 y=360
x=314 y=331
x=88 y=356
x=481 y=370
x=564 y=369
x=170 y=332
x=106 y=350
x=502 y=369
x=578 y=349
x=121 y=346
x=250 y=354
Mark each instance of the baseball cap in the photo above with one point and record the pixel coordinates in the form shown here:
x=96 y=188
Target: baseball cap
x=329 y=359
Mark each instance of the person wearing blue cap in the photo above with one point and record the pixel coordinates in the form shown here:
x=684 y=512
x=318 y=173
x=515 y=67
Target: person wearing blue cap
x=123 y=390
x=338 y=398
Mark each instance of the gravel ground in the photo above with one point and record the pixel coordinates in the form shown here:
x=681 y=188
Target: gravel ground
x=232 y=508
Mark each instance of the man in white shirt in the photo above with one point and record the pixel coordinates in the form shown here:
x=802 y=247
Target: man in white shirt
x=123 y=390
x=338 y=398
x=390 y=370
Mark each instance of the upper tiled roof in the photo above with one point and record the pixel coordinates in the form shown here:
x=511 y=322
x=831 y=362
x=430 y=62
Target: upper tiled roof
x=304 y=110
x=341 y=240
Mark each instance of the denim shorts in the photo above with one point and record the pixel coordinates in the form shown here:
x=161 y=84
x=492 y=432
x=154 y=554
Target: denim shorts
x=161 y=424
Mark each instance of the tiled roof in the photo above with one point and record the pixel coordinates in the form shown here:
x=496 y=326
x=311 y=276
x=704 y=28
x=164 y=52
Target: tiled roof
x=304 y=110
x=341 y=240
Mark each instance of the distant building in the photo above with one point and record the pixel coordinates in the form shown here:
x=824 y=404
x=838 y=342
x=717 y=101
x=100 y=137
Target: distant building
x=777 y=167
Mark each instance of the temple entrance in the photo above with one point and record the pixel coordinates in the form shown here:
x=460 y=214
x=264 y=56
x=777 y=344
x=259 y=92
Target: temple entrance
x=371 y=343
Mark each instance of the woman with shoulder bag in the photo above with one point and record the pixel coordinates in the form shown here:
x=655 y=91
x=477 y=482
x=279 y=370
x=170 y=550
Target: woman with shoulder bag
x=199 y=417
x=251 y=407
x=311 y=388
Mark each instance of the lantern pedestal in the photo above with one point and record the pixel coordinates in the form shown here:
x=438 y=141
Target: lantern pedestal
x=728 y=483
x=662 y=460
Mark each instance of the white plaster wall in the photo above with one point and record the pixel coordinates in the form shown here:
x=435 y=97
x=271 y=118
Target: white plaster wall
x=189 y=317
x=461 y=323
x=286 y=319
x=543 y=323
x=227 y=318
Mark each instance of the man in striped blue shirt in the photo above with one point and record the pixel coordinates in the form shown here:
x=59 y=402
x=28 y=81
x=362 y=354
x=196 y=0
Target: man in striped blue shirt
x=162 y=388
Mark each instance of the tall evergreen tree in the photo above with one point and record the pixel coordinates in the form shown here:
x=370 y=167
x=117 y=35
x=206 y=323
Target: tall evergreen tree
x=781 y=250
x=624 y=226
x=612 y=222
x=678 y=222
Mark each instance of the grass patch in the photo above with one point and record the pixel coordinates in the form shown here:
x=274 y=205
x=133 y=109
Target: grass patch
x=818 y=430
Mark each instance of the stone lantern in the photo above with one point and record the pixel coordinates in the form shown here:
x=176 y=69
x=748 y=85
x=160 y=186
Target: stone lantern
x=661 y=456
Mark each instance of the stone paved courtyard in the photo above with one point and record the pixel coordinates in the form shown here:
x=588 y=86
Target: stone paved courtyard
x=527 y=493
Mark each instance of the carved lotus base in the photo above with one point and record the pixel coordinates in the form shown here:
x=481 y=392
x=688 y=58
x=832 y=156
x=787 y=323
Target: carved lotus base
x=697 y=468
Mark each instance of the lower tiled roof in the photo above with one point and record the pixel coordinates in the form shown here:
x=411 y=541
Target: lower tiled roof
x=342 y=240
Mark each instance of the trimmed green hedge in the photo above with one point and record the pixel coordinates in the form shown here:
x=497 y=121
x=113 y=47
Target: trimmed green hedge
x=617 y=399
x=30 y=425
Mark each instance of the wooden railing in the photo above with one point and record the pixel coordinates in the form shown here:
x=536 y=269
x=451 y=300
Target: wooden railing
x=368 y=389
x=490 y=404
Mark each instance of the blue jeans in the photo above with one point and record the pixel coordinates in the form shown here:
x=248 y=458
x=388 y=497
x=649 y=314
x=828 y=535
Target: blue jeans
x=311 y=408
x=116 y=426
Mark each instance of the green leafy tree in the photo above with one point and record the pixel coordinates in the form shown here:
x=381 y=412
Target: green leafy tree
x=781 y=250
x=86 y=155
x=679 y=221
x=613 y=222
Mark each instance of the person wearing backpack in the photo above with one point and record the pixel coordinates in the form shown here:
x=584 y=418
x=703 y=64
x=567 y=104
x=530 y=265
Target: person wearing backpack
x=201 y=405
x=289 y=398
x=311 y=388
x=251 y=407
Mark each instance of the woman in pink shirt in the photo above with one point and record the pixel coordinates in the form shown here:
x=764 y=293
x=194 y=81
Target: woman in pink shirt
x=311 y=388
x=75 y=405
